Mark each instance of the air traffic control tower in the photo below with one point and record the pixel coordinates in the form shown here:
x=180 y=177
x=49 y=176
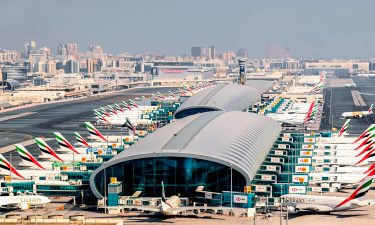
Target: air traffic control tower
x=242 y=80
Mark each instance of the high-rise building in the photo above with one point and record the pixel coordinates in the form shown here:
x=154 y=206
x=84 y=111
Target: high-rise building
x=72 y=66
x=90 y=66
x=199 y=52
x=212 y=52
x=30 y=47
x=196 y=52
x=51 y=67
x=278 y=52
x=36 y=59
x=69 y=49
x=45 y=50
x=9 y=56
x=96 y=51
x=242 y=52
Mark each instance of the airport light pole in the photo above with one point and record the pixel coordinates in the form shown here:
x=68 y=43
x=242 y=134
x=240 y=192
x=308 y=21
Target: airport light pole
x=231 y=188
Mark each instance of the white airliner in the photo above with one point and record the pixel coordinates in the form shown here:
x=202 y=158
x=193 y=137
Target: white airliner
x=30 y=161
x=358 y=114
x=350 y=85
x=23 y=202
x=171 y=206
x=327 y=204
x=50 y=154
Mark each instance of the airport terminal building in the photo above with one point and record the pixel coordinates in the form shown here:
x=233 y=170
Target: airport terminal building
x=213 y=149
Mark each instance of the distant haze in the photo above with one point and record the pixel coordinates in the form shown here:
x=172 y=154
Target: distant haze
x=310 y=28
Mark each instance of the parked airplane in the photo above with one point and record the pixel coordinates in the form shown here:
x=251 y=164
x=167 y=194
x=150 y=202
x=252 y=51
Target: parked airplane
x=344 y=128
x=49 y=153
x=23 y=202
x=358 y=114
x=171 y=206
x=327 y=204
x=350 y=85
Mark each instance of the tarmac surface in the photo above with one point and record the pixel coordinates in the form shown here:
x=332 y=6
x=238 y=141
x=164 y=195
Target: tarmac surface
x=364 y=215
x=338 y=99
x=65 y=117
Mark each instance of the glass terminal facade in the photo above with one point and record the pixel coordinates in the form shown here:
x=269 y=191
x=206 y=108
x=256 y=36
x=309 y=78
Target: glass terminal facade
x=192 y=111
x=181 y=176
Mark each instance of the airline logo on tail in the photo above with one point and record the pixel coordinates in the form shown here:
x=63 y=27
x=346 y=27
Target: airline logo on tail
x=92 y=130
x=126 y=105
x=104 y=111
x=44 y=147
x=112 y=109
x=153 y=97
x=7 y=166
x=118 y=108
x=160 y=95
x=312 y=111
x=370 y=109
x=132 y=103
x=368 y=155
x=63 y=142
x=187 y=88
x=344 y=128
x=129 y=125
x=361 y=190
x=81 y=140
x=366 y=133
x=367 y=141
x=317 y=87
x=25 y=155
x=100 y=116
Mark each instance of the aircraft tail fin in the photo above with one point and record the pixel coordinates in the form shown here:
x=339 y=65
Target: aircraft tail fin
x=93 y=131
x=26 y=156
x=344 y=127
x=163 y=192
x=46 y=149
x=361 y=190
x=63 y=142
x=368 y=155
x=366 y=133
x=81 y=140
x=4 y=164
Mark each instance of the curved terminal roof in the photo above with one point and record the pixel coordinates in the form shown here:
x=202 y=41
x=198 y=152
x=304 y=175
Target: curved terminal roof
x=239 y=140
x=229 y=97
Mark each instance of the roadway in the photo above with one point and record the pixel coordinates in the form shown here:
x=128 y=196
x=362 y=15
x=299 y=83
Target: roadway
x=66 y=117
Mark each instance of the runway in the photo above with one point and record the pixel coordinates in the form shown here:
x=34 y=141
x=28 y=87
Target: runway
x=339 y=99
x=65 y=117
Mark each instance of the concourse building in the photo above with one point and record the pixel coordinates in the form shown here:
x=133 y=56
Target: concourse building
x=212 y=149
x=220 y=98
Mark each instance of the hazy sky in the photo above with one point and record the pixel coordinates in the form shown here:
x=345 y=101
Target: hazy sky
x=310 y=28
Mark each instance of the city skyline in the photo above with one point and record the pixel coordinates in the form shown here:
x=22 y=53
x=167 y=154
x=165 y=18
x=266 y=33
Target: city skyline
x=326 y=29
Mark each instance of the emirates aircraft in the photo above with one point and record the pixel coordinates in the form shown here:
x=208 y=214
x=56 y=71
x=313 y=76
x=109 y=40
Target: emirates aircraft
x=171 y=206
x=327 y=204
x=23 y=202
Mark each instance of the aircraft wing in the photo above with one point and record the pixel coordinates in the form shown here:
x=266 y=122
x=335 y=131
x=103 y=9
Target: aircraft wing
x=314 y=208
x=143 y=208
x=192 y=208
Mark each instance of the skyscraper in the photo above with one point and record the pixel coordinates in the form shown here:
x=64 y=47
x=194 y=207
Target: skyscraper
x=69 y=49
x=196 y=52
x=30 y=47
x=212 y=52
